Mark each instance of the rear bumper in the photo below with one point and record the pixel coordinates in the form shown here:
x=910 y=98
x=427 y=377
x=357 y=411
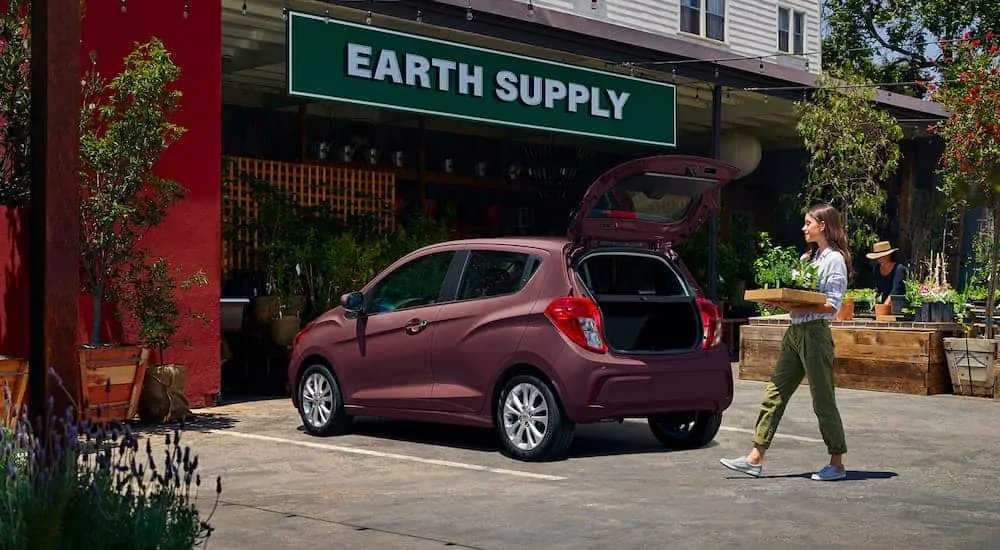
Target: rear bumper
x=596 y=387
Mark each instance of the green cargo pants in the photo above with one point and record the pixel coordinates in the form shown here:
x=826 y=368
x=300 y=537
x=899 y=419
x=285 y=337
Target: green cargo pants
x=806 y=350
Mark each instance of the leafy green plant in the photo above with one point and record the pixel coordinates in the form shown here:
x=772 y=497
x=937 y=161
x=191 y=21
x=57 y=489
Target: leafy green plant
x=89 y=486
x=152 y=301
x=124 y=129
x=783 y=267
x=15 y=103
x=853 y=148
x=863 y=295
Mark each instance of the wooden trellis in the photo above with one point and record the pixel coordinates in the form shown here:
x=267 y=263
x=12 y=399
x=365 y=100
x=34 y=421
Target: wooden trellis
x=347 y=191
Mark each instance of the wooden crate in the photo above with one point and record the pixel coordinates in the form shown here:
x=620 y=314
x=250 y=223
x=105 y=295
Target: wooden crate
x=13 y=386
x=111 y=380
x=346 y=190
x=899 y=361
x=785 y=295
x=972 y=363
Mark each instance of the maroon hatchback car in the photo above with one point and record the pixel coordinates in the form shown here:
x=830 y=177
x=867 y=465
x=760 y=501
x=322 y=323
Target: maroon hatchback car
x=532 y=336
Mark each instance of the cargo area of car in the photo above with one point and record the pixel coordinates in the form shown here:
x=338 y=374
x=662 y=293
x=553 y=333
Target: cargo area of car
x=645 y=305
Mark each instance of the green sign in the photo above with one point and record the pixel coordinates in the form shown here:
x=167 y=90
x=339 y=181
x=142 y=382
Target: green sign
x=342 y=61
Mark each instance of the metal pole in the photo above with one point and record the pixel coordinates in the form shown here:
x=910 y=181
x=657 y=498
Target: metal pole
x=713 y=222
x=54 y=258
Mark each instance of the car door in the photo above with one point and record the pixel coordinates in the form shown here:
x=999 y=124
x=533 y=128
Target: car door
x=475 y=334
x=389 y=359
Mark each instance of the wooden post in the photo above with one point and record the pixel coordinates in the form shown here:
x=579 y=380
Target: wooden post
x=54 y=260
x=422 y=162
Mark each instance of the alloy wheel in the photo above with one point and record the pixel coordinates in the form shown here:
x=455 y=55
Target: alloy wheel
x=525 y=416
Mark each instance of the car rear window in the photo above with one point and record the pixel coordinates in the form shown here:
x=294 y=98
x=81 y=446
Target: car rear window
x=495 y=273
x=630 y=275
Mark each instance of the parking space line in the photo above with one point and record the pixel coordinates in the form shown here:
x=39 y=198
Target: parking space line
x=776 y=436
x=379 y=454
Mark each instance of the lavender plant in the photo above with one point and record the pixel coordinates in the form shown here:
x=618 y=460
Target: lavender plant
x=98 y=486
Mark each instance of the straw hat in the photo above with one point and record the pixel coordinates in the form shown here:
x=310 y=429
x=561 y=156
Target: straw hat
x=879 y=249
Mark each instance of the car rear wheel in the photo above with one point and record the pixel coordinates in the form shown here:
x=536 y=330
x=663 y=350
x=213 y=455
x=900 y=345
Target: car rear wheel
x=530 y=420
x=321 y=404
x=686 y=429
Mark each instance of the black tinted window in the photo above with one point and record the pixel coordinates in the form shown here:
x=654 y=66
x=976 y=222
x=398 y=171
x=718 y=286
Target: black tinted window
x=630 y=275
x=414 y=284
x=494 y=273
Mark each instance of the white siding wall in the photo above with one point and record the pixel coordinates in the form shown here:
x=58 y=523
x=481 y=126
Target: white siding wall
x=751 y=25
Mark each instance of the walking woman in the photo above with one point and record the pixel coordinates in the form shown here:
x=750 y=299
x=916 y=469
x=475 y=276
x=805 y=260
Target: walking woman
x=807 y=350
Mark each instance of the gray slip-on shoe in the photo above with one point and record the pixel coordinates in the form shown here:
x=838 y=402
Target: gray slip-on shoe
x=741 y=465
x=830 y=473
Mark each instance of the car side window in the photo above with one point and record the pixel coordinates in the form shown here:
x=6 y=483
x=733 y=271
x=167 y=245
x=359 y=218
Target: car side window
x=495 y=273
x=414 y=284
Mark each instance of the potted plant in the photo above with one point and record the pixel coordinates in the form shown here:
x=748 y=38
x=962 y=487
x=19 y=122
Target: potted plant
x=124 y=129
x=153 y=305
x=863 y=301
x=970 y=177
x=784 y=276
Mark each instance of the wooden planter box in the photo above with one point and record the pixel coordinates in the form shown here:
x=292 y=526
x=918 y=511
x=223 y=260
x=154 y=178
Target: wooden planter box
x=111 y=380
x=785 y=295
x=880 y=356
x=972 y=363
x=13 y=385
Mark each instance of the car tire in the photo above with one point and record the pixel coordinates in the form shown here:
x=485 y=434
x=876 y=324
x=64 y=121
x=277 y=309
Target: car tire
x=321 y=403
x=525 y=432
x=686 y=429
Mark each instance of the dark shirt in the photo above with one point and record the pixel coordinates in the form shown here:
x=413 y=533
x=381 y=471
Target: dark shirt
x=891 y=284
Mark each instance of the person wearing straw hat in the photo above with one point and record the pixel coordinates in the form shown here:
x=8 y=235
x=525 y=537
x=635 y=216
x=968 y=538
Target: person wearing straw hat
x=889 y=274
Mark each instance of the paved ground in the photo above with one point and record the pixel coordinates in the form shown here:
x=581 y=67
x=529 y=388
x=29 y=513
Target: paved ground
x=924 y=473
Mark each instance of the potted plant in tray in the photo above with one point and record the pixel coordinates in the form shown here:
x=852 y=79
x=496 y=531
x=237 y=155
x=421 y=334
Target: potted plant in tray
x=970 y=176
x=124 y=129
x=784 y=277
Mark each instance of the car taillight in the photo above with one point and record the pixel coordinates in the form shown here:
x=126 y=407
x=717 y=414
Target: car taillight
x=301 y=333
x=711 y=322
x=580 y=320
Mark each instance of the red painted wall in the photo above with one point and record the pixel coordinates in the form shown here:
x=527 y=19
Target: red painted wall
x=191 y=236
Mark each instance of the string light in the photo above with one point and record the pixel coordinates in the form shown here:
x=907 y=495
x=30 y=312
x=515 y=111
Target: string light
x=468 y=11
x=368 y=16
x=531 y=9
x=284 y=11
x=420 y=16
x=244 y=10
x=326 y=15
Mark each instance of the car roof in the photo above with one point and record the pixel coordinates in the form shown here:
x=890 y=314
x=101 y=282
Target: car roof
x=550 y=244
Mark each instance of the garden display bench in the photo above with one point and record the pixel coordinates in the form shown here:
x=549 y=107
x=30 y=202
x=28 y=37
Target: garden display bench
x=897 y=357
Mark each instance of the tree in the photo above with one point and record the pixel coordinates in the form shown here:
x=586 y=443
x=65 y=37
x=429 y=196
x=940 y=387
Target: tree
x=970 y=163
x=124 y=129
x=887 y=41
x=15 y=103
x=853 y=148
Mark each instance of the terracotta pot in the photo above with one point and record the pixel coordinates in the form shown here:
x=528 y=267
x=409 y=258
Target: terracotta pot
x=846 y=311
x=882 y=310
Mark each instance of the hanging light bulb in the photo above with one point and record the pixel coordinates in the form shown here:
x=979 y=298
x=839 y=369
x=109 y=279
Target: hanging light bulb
x=716 y=72
x=468 y=11
x=368 y=18
x=326 y=15
x=244 y=10
x=673 y=73
x=124 y=9
x=761 y=65
x=420 y=16
x=284 y=11
x=184 y=14
x=531 y=9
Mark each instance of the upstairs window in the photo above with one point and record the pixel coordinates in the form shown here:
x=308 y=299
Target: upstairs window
x=705 y=18
x=791 y=31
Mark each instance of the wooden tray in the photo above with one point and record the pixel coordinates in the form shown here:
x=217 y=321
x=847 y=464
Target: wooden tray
x=785 y=295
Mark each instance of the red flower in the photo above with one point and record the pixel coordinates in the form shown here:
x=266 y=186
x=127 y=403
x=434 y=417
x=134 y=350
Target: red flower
x=966 y=36
x=989 y=35
x=993 y=49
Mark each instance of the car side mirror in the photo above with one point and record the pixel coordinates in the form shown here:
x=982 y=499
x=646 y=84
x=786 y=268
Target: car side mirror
x=353 y=302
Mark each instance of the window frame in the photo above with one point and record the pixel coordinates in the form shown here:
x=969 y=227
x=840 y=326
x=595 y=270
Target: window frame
x=702 y=10
x=793 y=15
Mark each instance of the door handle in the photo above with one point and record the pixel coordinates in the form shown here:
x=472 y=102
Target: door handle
x=415 y=326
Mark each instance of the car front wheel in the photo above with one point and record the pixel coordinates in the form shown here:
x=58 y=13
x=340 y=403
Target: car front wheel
x=686 y=429
x=530 y=422
x=321 y=404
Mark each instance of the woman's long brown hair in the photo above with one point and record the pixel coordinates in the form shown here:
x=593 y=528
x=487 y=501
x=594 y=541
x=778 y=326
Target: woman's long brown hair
x=835 y=234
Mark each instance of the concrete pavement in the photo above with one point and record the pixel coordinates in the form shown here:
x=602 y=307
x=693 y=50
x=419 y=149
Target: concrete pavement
x=923 y=474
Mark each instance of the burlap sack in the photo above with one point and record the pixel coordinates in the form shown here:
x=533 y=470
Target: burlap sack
x=162 y=398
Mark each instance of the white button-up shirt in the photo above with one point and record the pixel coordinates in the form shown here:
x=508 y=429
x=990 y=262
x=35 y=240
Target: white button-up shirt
x=832 y=282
